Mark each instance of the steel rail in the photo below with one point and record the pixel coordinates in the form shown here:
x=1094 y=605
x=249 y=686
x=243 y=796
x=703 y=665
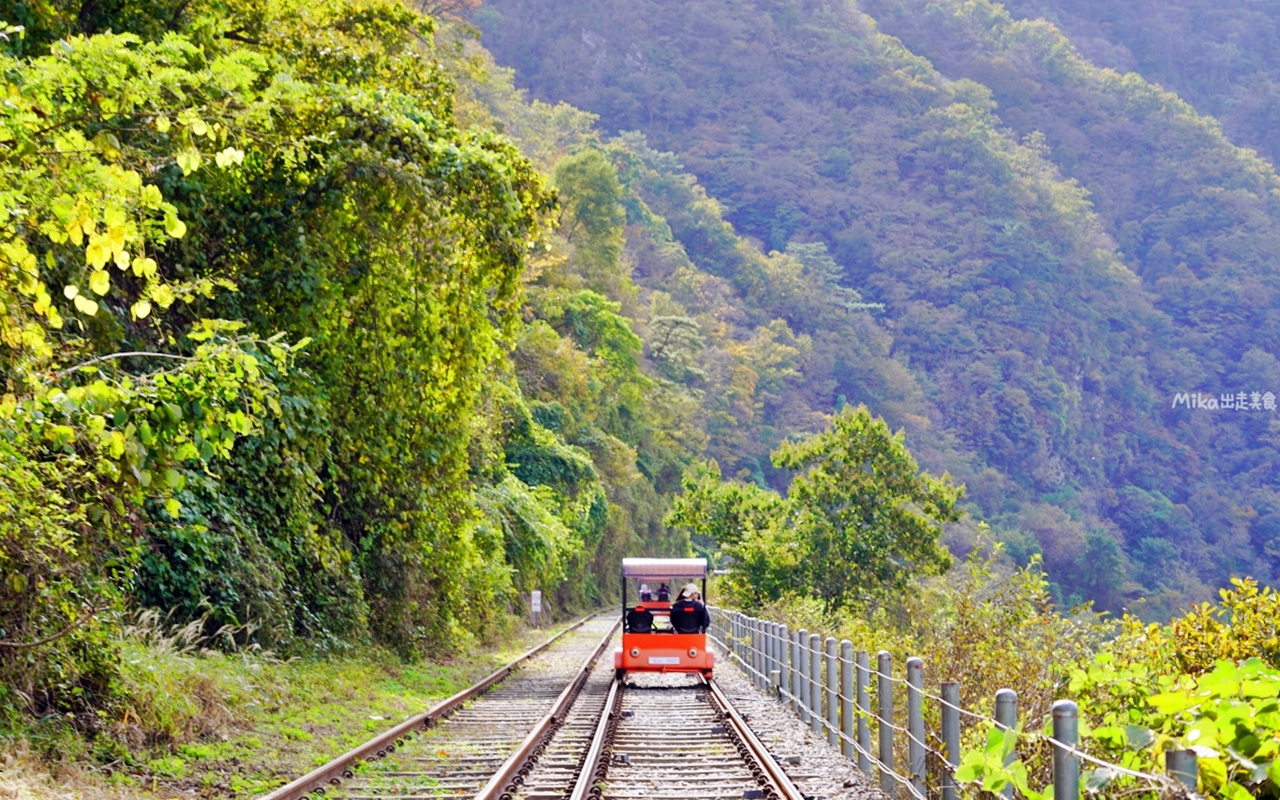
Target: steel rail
x=763 y=758
x=588 y=775
x=591 y=773
x=509 y=773
x=320 y=778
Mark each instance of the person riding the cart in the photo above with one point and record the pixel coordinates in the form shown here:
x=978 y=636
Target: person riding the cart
x=688 y=614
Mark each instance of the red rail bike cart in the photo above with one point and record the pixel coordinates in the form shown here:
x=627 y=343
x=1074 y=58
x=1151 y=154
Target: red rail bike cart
x=649 y=642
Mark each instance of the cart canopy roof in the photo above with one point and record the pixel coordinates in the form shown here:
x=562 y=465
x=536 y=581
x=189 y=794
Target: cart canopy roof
x=664 y=568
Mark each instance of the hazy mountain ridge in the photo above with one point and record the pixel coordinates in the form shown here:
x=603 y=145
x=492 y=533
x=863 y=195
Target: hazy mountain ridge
x=1222 y=57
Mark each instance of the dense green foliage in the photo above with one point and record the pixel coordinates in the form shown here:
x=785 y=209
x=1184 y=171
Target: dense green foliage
x=463 y=414
x=1059 y=250
x=1209 y=681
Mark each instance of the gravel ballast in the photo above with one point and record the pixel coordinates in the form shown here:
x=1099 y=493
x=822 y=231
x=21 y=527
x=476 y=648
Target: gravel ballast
x=823 y=772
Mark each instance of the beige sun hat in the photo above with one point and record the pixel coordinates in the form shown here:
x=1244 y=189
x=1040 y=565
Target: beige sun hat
x=690 y=590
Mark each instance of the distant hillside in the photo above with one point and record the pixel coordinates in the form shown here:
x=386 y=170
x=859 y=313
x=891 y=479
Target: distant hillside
x=1222 y=57
x=1041 y=327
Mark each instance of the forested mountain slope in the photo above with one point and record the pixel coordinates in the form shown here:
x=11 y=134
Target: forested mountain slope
x=1046 y=291
x=1222 y=57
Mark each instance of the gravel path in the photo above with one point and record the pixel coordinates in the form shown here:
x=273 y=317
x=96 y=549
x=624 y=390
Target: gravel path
x=823 y=771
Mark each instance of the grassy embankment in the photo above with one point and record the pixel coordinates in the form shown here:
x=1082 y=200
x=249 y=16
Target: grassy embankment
x=200 y=723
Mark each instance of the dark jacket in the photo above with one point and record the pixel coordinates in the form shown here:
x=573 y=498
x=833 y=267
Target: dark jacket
x=690 y=616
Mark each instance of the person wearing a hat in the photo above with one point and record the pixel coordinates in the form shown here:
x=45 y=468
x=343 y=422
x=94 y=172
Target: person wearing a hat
x=688 y=614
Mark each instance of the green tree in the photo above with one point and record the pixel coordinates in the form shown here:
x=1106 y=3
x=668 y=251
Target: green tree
x=593 y=215
x=859 y=521
x=869 y=519
x=727 y=512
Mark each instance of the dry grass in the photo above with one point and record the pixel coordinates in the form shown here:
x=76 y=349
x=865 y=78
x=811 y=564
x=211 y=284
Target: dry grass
x=25 y=777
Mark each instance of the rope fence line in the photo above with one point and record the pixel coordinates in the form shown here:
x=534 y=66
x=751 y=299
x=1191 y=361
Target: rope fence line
x=785 y=694
x=829 y=687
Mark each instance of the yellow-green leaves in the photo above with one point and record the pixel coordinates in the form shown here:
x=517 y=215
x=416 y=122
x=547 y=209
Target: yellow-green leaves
x=99 y=239
x=162 y=294
x=189 y=160
x=144 y=267
x=990 y=767
x=85 y=306
x=189 y=118
x=228 y=157
x=77 y=165
x=100 y=281
x=173 y=226
x=151 y=197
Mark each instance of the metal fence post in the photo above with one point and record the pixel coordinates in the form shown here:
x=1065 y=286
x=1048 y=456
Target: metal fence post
x=769 y=659
x=1181 y=766
x=795 y=672
x=815 y=682
x=803 y=694
x=784 y=663
x=775 y=661
x=766 y=657
x=915 y=722
x=846 y=698
x=754 y=624
x=758 y=653
x=1007 y=718
x=863 y=677
x=1066 y=765
x=753 y=630
x=753 y=658
x=884 y=699
x=950 y=736
x=764 y=654
x=833 y=694
x=742 y=640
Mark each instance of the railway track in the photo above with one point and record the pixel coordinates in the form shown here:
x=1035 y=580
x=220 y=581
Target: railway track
x=459 y=743
x=676 y=737
x=564 y=727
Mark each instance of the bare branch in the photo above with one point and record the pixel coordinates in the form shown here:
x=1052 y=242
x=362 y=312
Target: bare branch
x=112 y=356
x=93 y=612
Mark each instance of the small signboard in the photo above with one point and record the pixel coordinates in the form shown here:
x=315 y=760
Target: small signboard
x=535 y=598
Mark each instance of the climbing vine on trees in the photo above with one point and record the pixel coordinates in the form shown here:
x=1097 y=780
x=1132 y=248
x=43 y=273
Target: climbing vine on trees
x=249 y=220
